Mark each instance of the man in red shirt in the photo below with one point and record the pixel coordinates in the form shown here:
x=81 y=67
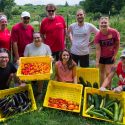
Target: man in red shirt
x=120 y=71
x=4 y=33
x=53 y=30
x=22 y=34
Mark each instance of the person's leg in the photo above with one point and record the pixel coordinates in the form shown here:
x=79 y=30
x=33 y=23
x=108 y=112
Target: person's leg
x=84 y=60
x=39 y=90
x=75 y=58
x=102 y=73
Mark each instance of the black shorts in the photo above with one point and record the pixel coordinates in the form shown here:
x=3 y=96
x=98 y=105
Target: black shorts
x=106 y=60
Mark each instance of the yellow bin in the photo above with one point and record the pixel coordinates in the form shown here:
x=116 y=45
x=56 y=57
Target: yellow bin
x=10 y=91
x=67 y=91
x=88 y=74
x=119 y=96
x=44 y=76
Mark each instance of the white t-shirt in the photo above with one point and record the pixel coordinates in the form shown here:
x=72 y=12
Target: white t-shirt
x=32 y=50
x=81 y=37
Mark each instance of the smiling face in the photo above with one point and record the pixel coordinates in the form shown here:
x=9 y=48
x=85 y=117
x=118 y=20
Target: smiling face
x=37 y=39
x=104 y=23
x=65 y=56
x=25 y=20
x=51 y=11
x=80 y=16
x=4 y=59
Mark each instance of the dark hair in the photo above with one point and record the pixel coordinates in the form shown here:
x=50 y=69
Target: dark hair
x=3 y=50
x=70 y=62
x=51 y=5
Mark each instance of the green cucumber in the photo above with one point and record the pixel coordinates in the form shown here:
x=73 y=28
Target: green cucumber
x=82 y=81
x=89 y=109
x=96 y=114
x=96 y=101
x=116 y=112
x=120 y=115
x=95 y=85
x=107 y=112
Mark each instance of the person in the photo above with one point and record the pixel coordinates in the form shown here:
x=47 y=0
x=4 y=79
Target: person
x=5 y=41
x=65 y=68
x=79 y=33
x=7 y=70
x=37 y=48
x=107 y=42
x=53 y=30
x=21 y=35
x=120 y=71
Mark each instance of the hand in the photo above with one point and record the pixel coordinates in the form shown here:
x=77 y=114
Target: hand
x=118 y=89
x=22 y=84
x=102 y=89
x=114 y=58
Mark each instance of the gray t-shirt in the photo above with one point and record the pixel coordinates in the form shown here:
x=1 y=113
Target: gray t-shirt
x=81 y=37
x=32 y=50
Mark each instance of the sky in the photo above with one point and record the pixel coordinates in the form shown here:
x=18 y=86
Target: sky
x=44 y=2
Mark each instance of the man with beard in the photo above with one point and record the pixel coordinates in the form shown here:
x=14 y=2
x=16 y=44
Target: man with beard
x=21 y=35
x=79 y=33
x=53 y=30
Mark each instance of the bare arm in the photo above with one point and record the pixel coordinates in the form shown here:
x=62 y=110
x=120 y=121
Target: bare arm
x=15 y=50
x=98 y=51
x=74 y=75
x=117 y=44
x=69 y=33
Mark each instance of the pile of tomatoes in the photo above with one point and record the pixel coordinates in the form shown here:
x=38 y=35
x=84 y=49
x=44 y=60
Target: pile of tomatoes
x=62 y=104
x=35 y=68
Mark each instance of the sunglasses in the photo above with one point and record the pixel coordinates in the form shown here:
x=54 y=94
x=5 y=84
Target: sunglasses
x=50 y=11
x=26 y=18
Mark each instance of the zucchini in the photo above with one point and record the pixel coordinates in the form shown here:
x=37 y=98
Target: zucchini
x=96 y=101
x=120 y=117
x=95 y=85
x=89 y=99
x=89 y=109
x=88 y=84
x=82 y=81
x=102 y=103
x=96 y=114
x=107 y=112
x=116 y=111
x=110 y=103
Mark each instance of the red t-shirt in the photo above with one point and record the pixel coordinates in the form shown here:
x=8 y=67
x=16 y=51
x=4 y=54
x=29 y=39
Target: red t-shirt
x=5 y=39
x=107 y=42
x=54 y=32
x=22 y=36
x=120 y=74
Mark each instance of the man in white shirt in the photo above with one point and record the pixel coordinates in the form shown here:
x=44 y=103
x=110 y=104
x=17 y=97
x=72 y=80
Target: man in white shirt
x=80 y=33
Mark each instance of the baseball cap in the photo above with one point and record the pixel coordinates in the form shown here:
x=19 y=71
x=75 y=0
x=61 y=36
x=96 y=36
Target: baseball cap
x=25 y=14
x=3 y=19
x=123 y=54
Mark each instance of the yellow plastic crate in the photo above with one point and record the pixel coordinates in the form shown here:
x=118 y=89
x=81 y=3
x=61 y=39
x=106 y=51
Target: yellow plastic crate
x=67 y=91
x=119 y=96
x=88 y=74
x=10 y=91
x=45 y=76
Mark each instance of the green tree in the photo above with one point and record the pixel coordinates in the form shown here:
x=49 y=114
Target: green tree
x=103 y=6
x=6 y=6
